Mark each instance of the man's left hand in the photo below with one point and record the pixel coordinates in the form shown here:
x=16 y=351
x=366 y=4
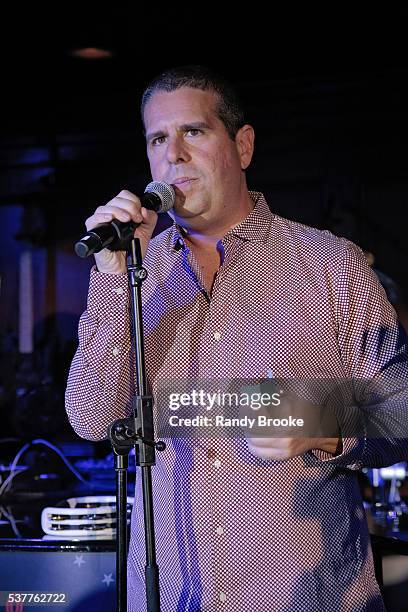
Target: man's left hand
x=280 y=449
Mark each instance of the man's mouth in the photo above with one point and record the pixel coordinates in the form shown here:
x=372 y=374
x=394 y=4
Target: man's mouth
x=184 y=180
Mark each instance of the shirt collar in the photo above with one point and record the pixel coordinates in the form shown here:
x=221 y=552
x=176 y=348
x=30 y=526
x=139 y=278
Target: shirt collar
x=178 y=234
x=255 y=227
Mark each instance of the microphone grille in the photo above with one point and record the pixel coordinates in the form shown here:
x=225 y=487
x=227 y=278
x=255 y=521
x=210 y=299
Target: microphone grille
x=165 y=192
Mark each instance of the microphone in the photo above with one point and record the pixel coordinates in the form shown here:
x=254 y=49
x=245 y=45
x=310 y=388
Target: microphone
x=158 y=196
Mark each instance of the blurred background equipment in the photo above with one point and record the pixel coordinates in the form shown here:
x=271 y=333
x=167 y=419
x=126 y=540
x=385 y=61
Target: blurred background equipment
x=83 y=517
x=57 y=520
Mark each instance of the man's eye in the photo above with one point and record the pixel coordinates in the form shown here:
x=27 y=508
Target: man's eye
x=194 y=132
x=158 y=140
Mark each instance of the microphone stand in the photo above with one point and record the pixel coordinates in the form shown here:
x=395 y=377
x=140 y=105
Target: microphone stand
x=137 y=432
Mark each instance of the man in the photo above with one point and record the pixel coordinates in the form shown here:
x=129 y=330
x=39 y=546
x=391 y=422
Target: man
x=234 y=291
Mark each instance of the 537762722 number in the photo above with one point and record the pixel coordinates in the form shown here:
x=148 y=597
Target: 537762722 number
x=34 y=598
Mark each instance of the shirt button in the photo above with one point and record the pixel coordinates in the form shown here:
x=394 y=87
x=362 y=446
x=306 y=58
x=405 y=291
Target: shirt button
x=219 y=531
x=217 y=463
x=217 y=335
x=116 y=351
x=118 y=290
x=223 y=597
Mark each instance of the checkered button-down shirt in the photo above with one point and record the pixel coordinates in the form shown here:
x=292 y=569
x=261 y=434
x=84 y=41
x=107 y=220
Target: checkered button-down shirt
x=235 y=532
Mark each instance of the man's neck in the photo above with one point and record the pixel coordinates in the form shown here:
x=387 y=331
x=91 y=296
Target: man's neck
x=207 y=239
x=203 y=242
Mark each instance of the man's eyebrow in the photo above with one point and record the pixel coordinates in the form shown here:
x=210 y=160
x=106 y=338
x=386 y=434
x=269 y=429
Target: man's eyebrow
x=194 y=125
x=157 y=134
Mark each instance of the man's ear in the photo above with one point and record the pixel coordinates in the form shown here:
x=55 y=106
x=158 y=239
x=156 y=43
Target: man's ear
x=245 y=138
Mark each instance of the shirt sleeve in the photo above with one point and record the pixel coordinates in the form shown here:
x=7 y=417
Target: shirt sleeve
x=99 y=388
x=374 y=351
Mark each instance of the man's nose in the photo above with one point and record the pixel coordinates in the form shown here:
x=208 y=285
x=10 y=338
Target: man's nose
x=177 y=151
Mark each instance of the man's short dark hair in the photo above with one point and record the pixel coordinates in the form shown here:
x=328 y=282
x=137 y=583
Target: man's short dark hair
x=229 y=108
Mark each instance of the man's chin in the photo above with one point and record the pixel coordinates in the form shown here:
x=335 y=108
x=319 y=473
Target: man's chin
x=187 y=208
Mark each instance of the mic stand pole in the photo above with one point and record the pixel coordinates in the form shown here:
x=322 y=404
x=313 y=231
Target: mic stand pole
x=138 y=432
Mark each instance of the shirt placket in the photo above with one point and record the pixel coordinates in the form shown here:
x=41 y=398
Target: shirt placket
x=217 y=458
x=212 y=353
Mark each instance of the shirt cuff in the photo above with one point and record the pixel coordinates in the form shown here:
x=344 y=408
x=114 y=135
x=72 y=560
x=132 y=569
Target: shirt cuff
x=353 y=434
x=108 y=294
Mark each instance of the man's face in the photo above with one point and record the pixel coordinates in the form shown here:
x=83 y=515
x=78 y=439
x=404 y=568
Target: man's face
x=188 y=147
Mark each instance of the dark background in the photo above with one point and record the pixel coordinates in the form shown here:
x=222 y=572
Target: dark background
x=325 y=89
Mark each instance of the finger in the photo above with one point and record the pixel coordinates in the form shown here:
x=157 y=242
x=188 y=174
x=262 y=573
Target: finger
x=149 y=216
x=277 y=443
x=116 y=212
x=266 y=452
x=125 y=203
x=131 y=206
x=97 y=219
x=105 y=215
x=128 y=195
